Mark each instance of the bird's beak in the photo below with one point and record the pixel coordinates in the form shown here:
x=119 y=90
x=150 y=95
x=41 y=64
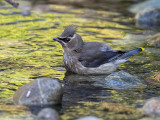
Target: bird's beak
x=55 y=39
x=58 y=40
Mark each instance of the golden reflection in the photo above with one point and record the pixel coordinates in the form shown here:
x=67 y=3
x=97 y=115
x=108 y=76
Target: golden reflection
x=28 y=51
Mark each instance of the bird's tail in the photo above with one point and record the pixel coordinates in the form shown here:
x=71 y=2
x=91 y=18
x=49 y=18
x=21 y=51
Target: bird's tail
x=124 y=57
x=131 y=52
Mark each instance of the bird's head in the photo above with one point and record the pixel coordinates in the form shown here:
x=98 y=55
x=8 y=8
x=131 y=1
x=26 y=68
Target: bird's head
x=69 y=39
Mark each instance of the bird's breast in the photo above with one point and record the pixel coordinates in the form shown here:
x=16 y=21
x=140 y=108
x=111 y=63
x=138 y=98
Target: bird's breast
x=68 y=60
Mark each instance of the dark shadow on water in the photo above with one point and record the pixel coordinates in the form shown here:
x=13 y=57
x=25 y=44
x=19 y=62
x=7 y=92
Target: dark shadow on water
x=45 y=28
x=13 y=13
x=22 y=21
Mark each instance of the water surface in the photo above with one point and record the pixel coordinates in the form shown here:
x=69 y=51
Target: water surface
x=28 y=51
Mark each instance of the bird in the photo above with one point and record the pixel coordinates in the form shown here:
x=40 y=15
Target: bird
x=90 y=57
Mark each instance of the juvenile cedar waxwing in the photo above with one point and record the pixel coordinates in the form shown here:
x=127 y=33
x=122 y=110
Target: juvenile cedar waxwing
x=90 y=57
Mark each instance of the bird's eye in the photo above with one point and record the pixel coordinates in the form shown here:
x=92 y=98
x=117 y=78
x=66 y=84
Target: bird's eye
x=67 y=39
x=64 y=39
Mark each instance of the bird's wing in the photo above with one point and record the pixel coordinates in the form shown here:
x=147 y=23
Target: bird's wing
x=96 y=54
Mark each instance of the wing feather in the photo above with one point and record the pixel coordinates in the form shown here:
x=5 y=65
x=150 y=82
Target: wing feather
x=94 y=56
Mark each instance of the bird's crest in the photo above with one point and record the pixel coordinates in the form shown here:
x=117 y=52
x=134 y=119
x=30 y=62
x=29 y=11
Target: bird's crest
x=69 y=31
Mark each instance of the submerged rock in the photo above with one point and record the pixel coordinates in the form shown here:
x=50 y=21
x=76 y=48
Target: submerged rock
x=120 y=80
x=89 y=118
x=75 y=78
x=41 y=91
x=48 y=114
x=152 y=107
x=149 y=17
x=155 y=40
x=154 y=80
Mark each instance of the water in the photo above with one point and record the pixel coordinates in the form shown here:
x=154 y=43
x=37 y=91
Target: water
x=28 y=51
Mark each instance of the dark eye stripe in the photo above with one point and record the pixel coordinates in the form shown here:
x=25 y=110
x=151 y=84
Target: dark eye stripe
x=61 y=38
x=65 y=39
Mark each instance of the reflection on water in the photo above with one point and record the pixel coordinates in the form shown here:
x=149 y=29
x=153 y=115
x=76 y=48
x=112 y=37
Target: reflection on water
x=28 y=52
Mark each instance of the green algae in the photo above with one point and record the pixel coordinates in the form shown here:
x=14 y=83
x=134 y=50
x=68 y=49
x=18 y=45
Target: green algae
x=102 y=110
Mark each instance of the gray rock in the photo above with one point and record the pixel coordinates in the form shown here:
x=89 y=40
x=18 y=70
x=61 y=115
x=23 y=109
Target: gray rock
x=89 y=118
x=149 y=17
x=120 y=80
x=48 y=114
x=144 y=5
x=41 y=91
x=152 y=107
x=155 y=40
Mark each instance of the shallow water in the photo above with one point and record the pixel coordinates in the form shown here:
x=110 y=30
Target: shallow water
x=28 y=52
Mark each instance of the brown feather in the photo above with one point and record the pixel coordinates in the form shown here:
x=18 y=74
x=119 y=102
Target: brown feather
x=69 y=31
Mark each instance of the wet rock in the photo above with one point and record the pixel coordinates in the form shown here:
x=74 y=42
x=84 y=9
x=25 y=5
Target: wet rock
x=120 y=80
x=89 y=118
x=116 y=108
x=41 y=91
x=155 y=40
x=149 y=17
x=48 y=114
x=144 y=5
x=154 y=80
x=152 y=107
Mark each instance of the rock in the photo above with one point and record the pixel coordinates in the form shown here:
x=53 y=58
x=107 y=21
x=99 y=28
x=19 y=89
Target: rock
x=154 y=80
x=152 y=107
x=48 y=114
x=149 y=17
x=120 y=80
x=116 y=108
x=89 y=118
x=41 y=91
x=144 y=5
x=155 y=40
